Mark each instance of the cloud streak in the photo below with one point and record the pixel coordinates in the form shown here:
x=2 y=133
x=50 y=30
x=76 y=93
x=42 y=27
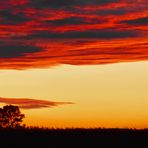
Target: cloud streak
x=139 y=21
x=26 y=103
x=44 y=33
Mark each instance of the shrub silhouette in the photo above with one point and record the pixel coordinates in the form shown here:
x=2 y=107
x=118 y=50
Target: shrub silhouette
x=10 y=117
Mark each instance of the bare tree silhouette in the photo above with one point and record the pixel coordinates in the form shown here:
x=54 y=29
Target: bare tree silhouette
x=10 y=117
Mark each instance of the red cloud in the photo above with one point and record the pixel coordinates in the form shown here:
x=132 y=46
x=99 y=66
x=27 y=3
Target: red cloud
x=79 y=52
x=27 y=103
x=72 y=32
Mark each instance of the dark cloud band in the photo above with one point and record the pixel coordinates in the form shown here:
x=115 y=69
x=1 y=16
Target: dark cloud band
x=100 y=34
x=67 y=3
x=10 y=17
x=14 y=51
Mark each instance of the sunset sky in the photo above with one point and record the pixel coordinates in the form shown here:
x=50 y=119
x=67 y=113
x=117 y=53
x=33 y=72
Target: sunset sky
x=75 y=63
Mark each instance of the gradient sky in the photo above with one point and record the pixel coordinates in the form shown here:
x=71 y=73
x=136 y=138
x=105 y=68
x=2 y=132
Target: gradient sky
x=75 y=63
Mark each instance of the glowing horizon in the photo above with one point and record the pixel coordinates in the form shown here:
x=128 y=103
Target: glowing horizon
x=74 y=63
x=103 y=96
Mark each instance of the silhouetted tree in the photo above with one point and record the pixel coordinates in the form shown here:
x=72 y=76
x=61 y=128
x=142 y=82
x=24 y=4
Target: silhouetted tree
x=10 y=117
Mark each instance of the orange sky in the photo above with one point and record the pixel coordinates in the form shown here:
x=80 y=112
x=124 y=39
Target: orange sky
x=76 y=63
x=112 y=95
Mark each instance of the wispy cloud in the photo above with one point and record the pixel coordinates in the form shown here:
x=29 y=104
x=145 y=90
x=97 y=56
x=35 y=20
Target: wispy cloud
x=26 y=103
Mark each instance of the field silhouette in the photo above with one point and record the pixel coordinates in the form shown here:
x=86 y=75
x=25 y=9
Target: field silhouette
x=15 y=134
x=73 y=137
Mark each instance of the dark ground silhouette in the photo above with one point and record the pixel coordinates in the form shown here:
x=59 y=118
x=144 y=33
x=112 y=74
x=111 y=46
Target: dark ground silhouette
x=13 y=134
x=61 y=138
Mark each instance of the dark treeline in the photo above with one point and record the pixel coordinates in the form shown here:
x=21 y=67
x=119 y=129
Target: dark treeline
x=74 y=137
x=15 y=134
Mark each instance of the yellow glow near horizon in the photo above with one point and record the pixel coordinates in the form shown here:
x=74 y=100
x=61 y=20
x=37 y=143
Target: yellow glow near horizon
x=114 y=95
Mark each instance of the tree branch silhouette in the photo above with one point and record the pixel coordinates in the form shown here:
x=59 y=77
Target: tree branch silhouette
x=11 y=117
